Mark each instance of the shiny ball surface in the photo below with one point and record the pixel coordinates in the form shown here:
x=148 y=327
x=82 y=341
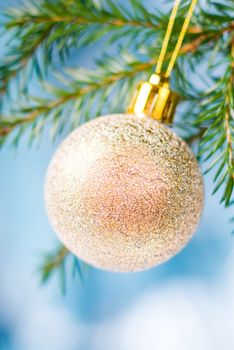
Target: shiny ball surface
x=124 y=193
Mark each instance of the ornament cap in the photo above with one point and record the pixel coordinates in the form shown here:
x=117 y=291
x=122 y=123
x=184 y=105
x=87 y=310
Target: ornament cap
x=155 y=99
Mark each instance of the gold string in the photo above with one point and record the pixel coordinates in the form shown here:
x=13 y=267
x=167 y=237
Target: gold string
x=167 y=36
x=180 y=38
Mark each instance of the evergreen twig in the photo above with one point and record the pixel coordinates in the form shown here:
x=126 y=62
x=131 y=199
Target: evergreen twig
x=56 y=261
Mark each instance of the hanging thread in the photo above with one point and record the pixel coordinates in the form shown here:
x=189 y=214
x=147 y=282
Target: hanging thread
x=180 y=38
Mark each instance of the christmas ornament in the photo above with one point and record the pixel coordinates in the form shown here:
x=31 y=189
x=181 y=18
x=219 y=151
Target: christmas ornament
x=123 y=192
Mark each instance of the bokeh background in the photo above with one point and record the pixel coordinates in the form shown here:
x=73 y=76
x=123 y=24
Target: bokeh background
x=187 y=303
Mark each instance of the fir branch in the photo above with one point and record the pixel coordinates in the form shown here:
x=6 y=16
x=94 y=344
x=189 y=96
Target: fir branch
x=17 y=61
x=56 y=261
x=7 y=124
x=206 y=37
x=80 y=16
x=195 y=137
x=57 y=27
x=93 y=85
x=53 y=261
x=218 y=140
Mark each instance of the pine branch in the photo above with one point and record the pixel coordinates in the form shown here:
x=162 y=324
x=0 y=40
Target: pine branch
x=53 y=261
x=105 y=18
x=10 y=70
x=57 y=27
x=195 y=137
x=204 y=36
x=93 y=85
x=7 y=124
x=56 y=261
x=218 y=140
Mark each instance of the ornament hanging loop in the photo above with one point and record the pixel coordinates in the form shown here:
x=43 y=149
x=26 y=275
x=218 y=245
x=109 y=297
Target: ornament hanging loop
x=155 y=99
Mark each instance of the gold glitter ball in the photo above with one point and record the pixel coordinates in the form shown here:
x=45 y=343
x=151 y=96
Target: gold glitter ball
x=124 y=193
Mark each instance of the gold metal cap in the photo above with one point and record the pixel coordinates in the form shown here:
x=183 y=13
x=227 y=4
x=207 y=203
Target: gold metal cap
x=155 y=99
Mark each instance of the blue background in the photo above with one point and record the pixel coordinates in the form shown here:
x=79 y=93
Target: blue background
x=184 y=304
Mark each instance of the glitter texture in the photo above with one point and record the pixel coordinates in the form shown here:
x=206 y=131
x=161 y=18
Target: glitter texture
x=124 y=193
